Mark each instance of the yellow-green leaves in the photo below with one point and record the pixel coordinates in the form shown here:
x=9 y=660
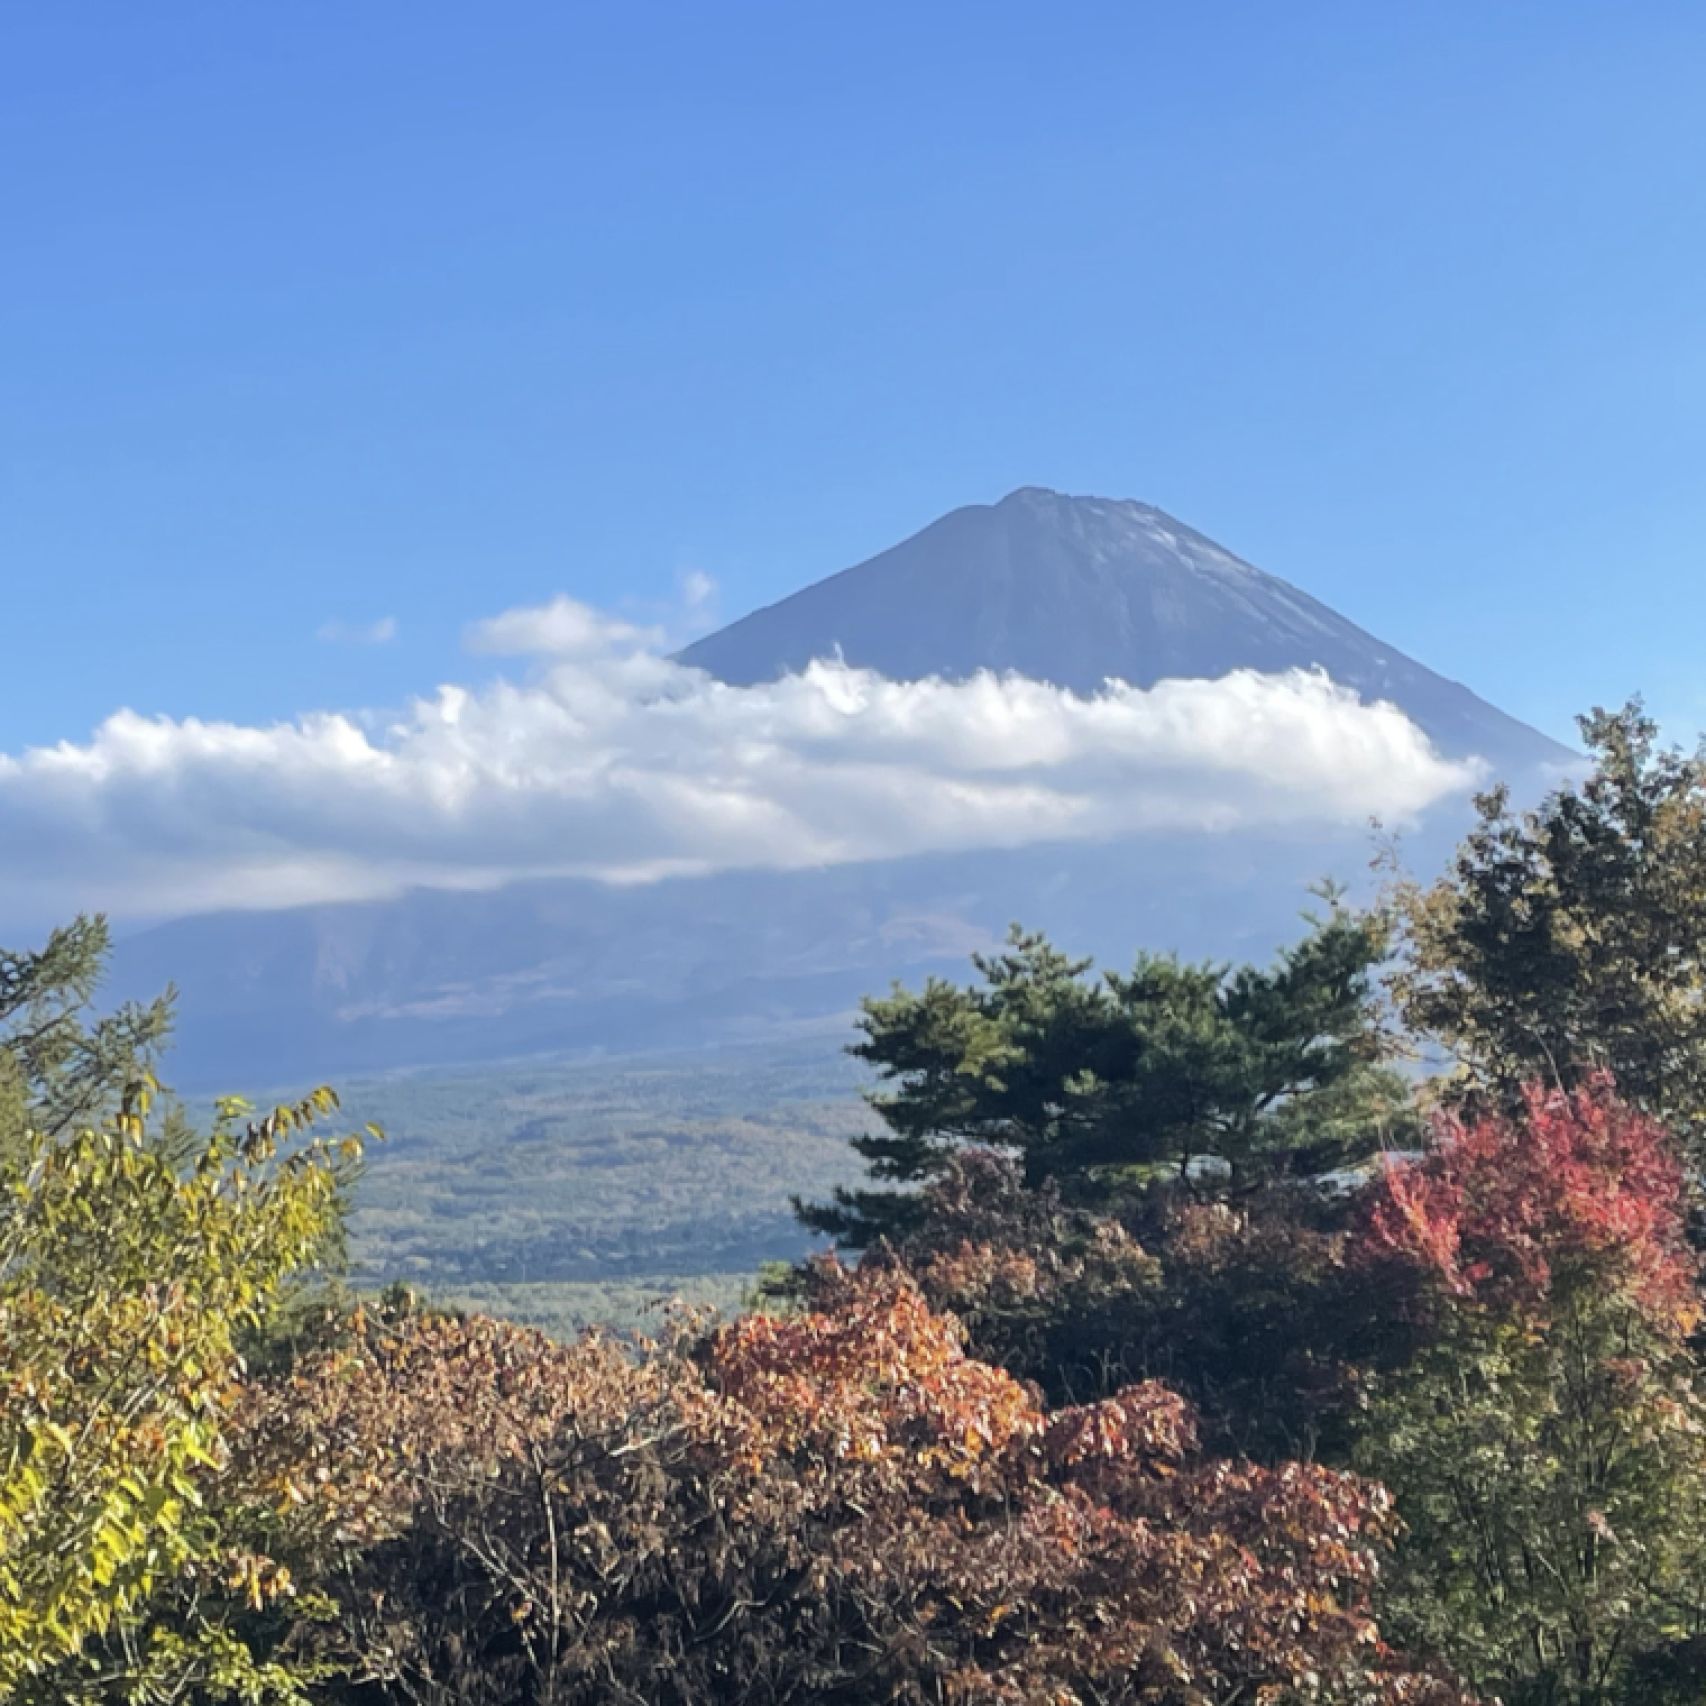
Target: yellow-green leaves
x=125 y=1283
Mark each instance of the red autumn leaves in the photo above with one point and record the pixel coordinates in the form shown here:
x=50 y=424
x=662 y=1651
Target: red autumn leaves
x=1507 y=1212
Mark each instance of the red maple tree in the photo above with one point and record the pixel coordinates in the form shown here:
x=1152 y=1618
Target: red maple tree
x=1546 y=1436
x=1512 y=1210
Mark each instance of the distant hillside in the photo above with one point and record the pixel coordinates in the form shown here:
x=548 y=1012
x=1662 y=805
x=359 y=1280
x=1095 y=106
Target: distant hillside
x=1077 y=590
x=438 y=977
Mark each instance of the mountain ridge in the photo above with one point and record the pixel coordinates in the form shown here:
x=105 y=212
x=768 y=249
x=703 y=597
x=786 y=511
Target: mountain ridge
x=1080 y=590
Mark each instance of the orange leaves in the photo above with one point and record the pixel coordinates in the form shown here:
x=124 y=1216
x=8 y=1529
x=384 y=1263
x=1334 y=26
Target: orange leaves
x=1146 y=1424
x=881 y=1379
x=836 y=1502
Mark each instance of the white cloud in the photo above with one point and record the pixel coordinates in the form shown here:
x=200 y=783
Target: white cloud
x=696 y=593
x=564 y=628
x=613 y=762
x=377 y=633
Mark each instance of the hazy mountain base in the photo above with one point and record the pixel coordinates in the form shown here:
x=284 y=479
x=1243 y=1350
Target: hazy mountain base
x=565 y=1308
x=555 y=968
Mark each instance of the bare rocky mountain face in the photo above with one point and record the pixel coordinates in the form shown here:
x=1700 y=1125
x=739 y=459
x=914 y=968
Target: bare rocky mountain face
x=1078 y=591
x=1068 y=590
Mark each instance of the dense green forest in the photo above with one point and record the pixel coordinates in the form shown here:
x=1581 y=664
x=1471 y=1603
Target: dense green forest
x=1186 y=1341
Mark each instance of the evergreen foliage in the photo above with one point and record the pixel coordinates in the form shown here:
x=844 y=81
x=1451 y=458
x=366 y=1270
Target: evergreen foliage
x=60 y=1068
x=1173 y=1069
x=1571 y=939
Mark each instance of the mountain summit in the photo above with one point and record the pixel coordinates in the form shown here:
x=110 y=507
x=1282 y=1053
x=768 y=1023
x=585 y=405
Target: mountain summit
x=1075 y=590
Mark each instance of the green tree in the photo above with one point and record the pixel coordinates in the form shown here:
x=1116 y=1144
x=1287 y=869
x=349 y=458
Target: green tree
x=1571 y=938
x=1179 y=1070
x=1547 y=1444
x=137 y=1258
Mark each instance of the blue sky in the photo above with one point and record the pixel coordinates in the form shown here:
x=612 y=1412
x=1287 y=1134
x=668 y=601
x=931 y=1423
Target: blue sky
x=320 y=315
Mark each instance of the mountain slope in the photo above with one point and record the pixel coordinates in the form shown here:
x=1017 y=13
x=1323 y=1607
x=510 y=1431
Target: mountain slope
x=1076 y=590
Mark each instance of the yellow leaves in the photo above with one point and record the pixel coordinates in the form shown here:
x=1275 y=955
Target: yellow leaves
x=256 y=1579
x=134 y=1106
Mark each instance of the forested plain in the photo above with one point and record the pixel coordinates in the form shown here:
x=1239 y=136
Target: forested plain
x=569 y=1193
x=1325 y=1330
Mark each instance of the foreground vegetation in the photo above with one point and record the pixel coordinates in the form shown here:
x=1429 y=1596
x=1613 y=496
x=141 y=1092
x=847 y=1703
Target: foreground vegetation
x=1183 y=1348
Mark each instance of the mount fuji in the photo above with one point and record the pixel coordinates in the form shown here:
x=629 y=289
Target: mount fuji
x=1070 y=590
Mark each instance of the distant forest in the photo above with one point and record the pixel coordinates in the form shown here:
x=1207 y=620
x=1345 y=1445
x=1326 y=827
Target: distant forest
x=565 y=1194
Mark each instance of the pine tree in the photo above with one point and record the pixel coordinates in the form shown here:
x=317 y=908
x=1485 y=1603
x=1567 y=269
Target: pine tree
x=60 y=1068
x=1176 y=1069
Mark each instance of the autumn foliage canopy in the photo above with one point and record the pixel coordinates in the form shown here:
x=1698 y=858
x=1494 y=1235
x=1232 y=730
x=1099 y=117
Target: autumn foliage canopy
x=835 y=1505
x=1153 y=1386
